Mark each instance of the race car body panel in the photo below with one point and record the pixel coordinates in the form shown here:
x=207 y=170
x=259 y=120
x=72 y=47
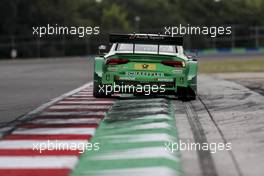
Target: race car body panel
x=139 y=63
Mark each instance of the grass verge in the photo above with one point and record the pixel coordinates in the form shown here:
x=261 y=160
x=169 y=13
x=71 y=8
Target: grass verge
x=231 y=65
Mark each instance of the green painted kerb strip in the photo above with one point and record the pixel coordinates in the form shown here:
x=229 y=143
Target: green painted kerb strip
x=132 y=141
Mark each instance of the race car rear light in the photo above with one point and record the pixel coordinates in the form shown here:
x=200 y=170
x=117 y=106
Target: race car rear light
x=179 y=64
x=113 y=61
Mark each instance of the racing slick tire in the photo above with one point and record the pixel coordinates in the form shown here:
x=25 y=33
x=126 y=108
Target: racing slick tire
x=186 y=94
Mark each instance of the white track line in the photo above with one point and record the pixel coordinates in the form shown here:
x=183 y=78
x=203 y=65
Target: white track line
x=84 y=93
x=79 y=107
x=85 y=102
x=66 y=121
x=56 y=114
x=82 y=96
x=71 y=98
x=39 y=162
x=55 y=131
x=31 y=144
x=153 y=171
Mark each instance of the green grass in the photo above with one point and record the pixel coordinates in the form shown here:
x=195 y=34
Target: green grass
x=232 y=65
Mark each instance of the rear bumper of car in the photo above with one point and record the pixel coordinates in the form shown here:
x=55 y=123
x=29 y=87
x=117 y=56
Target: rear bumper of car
x=166 y=85
x=170 y=82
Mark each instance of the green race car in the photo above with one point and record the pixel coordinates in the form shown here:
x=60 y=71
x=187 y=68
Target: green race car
x=145 y=64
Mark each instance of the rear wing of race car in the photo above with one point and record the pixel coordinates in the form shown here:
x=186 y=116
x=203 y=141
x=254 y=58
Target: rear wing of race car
x=146 y=39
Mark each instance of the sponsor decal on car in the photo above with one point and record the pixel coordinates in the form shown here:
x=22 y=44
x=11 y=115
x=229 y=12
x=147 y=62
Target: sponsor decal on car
x=148 y=74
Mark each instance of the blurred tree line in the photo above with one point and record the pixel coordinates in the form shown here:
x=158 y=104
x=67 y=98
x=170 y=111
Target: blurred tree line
x=18 y=17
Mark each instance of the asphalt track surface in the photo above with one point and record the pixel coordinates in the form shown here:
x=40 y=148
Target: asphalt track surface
x=133 y=133
x=26 y=84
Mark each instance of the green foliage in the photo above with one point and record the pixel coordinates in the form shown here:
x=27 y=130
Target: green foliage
x=62 y=11
x=18 y=16
x=231 y=65
x=114 y=19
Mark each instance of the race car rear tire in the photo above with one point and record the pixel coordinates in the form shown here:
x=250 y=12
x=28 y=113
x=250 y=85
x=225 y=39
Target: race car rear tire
x=186 y=94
